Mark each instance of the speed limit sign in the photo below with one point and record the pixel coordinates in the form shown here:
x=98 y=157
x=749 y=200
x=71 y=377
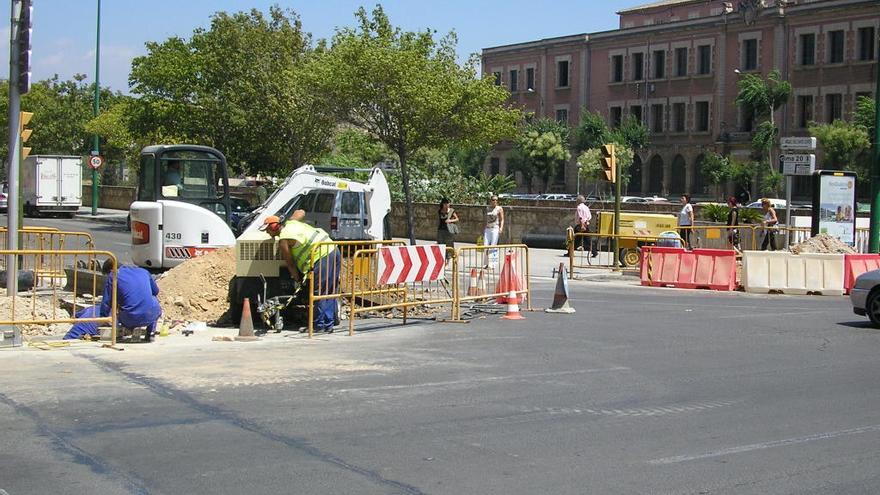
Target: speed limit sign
x=96 y=161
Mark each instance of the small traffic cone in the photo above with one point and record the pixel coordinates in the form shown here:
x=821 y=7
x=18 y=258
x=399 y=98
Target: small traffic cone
x=560 y=297
x=473 y=285
x=246 y=326
x=507 y=280
x=512 y=308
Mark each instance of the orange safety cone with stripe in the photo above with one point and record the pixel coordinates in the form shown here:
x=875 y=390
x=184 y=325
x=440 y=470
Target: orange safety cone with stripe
x=246 y=325
x=508 y=280
x=512 y=308
x=473 y=286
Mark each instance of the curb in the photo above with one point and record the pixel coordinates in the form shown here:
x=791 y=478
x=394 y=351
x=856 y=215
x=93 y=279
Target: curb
x=101 y=219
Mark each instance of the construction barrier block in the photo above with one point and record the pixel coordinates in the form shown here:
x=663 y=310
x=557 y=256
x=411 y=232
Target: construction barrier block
x=686 y=271
x=662 y=268
x=756 y=271
x=796 y=274
x=855 y=265
x=825 y=273
x=715 y=269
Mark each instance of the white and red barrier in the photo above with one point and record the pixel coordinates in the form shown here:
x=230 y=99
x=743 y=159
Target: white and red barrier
x=697 y=269
x=403 y=264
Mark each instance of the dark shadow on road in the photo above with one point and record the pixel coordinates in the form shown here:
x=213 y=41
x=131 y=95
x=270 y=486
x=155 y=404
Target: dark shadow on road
x=858 y=324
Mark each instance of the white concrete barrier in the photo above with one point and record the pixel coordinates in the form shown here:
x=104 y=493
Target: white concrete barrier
x=765 y=271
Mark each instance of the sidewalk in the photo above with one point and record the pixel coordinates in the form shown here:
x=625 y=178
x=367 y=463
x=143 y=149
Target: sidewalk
x=105 y=215
x=542 y=262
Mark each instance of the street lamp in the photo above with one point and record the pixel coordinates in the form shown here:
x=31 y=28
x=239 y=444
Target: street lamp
x=540 y=100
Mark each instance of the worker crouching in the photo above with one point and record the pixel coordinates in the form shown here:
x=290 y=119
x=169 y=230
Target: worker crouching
x=296 y=239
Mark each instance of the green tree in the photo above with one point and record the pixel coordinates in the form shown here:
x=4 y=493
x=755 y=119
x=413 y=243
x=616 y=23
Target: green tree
x=864 y=114
x=761 y=98
x=592 y=169
x=407 y=90
x=845 y=146
x=591 y=132
x=239 y=86
x=631 y=133
x=541 y=150
x=716 y=168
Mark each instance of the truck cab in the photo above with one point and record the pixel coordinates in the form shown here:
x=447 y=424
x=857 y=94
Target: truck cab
x=182 y=208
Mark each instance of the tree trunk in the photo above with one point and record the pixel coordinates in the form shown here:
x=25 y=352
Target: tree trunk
x=772 y=140
x=407 y=196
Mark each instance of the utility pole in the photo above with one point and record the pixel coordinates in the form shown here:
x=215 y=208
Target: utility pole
x=19 y=83
x=96 y=140
x=874 y=235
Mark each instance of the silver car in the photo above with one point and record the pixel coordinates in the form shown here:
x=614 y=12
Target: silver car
x=865 y=296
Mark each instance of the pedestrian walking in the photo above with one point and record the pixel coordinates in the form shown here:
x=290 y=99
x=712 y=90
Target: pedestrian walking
x=769 y=222
x=583 y=216
x=686 y=219
x=733 y=224
x=494 y=228
x=447 y=226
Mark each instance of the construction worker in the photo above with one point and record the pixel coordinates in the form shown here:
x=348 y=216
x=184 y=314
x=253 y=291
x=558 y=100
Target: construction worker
x=296 y=241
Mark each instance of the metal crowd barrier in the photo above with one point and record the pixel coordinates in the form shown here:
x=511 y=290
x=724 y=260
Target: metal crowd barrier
x=358 y=285
x=629 y=246
x=368 y=295
x=46 y=239
x=478 y=272
x=59 y=290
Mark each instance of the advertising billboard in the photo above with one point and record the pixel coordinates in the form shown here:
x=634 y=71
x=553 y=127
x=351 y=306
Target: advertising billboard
x=834 y=205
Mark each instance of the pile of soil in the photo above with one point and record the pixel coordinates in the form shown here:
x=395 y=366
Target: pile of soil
x=822 y=244
x=28 y=307
x=197 y=289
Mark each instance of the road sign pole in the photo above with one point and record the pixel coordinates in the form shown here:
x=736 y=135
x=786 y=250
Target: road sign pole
x=96 y=144
x=788 y=183
x=874 y=235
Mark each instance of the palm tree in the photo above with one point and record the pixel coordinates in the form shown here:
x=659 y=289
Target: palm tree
x=762 y=97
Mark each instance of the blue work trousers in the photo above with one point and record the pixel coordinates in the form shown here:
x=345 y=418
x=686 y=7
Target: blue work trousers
x=325 y=274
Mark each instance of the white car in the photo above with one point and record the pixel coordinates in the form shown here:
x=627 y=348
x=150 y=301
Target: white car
x=774 y=202
x=865 y=296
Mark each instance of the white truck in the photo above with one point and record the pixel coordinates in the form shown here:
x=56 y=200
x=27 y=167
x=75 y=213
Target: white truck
x=51 y=184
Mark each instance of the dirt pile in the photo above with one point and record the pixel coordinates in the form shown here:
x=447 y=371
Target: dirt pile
x=40 y=308
x=823 y=244
x=196 y=290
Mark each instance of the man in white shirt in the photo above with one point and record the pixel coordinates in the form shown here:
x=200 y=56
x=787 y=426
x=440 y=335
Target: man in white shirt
x=582 y=225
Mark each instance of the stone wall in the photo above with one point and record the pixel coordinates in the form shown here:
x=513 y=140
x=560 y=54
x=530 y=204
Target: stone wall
x=115 y=197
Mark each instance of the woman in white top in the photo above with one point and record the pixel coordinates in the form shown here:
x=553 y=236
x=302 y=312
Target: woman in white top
x=769 y=221
x=494 y=222
x=686 y=219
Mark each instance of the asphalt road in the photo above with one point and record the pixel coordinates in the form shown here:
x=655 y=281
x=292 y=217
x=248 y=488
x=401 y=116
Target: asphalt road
x=641 y=391
x=107 y=236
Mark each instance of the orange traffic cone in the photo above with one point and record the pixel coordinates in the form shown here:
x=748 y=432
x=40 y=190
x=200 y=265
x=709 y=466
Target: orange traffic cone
x=246 y=326
x=512 y=308
x=473 y=285
x=508 y=280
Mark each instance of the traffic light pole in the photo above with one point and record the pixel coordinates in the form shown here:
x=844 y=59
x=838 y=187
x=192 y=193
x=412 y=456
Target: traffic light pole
x=616 y=215
x=14 y=149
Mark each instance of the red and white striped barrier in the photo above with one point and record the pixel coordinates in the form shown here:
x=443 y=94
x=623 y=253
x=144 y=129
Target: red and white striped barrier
x=402 y=264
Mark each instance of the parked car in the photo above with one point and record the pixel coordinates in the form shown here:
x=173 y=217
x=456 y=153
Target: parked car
x=656 y=199
x=635 y=199
x=240 y=209
x=557 y=197
x=4 y=197
x=865 y=296
x=774 y=202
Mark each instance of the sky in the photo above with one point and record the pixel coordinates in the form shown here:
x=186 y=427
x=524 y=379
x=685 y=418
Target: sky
x=64 y=31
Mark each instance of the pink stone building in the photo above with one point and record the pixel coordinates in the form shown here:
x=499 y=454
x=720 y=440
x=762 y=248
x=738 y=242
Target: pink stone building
x=674 y=65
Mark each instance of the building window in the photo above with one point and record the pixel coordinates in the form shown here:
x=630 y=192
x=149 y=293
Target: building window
x=805 y=110
x=835 y=47
x=657 y=118
x=705 y=57
x=833 y=107
x=635 y=111
x=678 y=116
x=494 y=166
x=746 y=119
x=617 y=68
x=750 y=54
x=562 y=74
x=681 y=62
x=615 y=115
x=562 y=116
x=702 y=118
x=867 y=43
x=497 y=78
x=808 y=49
x=513 y=80
x=530 y=78
x=659 y=64
x=638 y=66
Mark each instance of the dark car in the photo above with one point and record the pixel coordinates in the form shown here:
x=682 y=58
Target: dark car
x=240 y=209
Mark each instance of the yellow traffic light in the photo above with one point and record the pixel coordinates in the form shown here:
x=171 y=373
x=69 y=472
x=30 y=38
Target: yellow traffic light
x=609 y=162
x=24 y=118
